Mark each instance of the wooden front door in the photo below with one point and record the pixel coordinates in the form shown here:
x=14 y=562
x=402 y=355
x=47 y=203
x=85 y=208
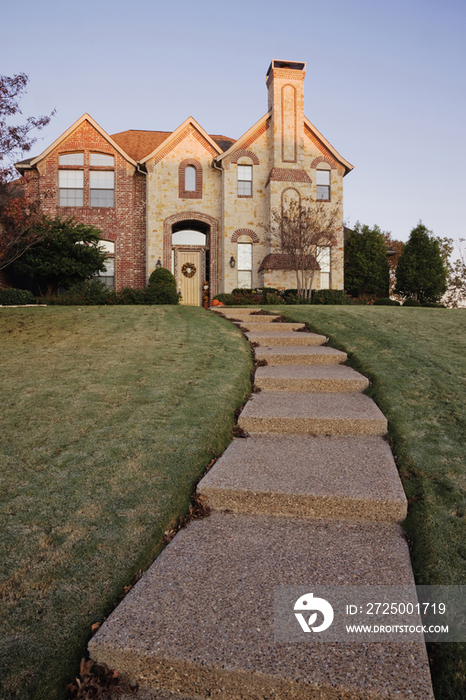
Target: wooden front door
x=189 y=277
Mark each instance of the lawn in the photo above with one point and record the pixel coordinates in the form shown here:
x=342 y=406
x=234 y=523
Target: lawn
x=416 y=359
x=108 y=415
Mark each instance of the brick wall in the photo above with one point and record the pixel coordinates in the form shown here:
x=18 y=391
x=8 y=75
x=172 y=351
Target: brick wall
x=124 y=224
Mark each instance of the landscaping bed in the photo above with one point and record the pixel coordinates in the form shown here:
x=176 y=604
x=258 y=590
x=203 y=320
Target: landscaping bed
x=109 y=415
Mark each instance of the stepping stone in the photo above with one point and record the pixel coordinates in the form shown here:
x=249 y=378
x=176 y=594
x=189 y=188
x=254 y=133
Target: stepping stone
x=201 y=621
x=268 y=327
x=300 y=355
x=312 y=414
x=272 y=338
x=350 y=478
x=309 y=378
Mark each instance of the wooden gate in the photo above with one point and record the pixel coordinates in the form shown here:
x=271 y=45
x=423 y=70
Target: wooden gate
x=189 y=277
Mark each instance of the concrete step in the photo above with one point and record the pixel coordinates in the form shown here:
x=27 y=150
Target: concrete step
x=231 y=311
x=309 y=378
x=312 y=414
x=347 y=478
x=268 y=327
x=300 y=355
x=273 y=338
x=200 y=622
x=256 y=318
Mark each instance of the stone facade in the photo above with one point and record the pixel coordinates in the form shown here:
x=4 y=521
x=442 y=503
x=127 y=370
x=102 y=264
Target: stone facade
x=188 y=192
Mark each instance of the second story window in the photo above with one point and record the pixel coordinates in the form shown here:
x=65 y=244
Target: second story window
x=190 y=178
x=323 y=184
x=71 y=188
x=244 y=180
x=102 y=188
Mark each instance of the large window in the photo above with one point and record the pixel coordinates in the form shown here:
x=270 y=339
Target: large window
x=102 y=187
x=99 y=167
x=323 y=184
x=244 y=180
x=71 y=188
x=245 y=265
x=323 y=258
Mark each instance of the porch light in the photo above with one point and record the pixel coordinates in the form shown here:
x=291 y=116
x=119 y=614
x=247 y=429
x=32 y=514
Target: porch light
x=232 y=261
x=158 y=264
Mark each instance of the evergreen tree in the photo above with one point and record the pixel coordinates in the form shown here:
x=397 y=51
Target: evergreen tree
x=366 y=265
x=421 y=273
x=67 y=253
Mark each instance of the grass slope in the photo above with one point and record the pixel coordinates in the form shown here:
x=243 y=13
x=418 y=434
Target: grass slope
x=108 y=416
x=416 y=359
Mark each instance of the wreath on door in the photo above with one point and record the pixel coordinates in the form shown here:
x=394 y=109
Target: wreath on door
x=189 y=269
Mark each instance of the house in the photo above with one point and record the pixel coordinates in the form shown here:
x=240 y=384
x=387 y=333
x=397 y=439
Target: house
x=199 y=204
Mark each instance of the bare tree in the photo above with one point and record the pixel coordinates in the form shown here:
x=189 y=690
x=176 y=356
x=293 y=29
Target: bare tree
x=301 y=228
x=18 y=211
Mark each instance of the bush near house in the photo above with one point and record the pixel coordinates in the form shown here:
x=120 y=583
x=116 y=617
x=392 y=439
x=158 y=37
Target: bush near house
x=95 y=293
x=16 y=297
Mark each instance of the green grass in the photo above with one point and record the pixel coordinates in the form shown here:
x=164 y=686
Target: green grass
x=416 y=359
x=108 y=415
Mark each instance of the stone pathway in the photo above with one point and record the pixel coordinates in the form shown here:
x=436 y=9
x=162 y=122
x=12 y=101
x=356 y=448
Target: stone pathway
x=311 y=497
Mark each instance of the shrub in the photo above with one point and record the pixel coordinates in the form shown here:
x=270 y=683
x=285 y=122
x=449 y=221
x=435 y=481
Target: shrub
x=433 y=305
x=162 y=276
x=92 y=292
x=411 y=302
x=162 y=293
x=243 y=297
x=273 y=299
x=331 y=296
x=226 y=299
x=15 y=297
x=386 y=301
x=128 y=295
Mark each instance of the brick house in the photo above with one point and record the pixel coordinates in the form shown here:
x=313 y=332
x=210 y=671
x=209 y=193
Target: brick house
x=195 y=202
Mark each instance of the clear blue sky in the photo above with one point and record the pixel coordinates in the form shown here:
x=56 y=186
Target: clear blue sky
x=385 y=83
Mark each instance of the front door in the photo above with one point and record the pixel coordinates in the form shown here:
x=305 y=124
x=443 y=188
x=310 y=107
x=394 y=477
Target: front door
x=189 y=277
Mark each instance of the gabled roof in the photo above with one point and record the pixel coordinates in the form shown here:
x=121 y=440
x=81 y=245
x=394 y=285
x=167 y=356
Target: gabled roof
x=179 y=133
x=31 y=162
x=328 y=146
x=245 y=137
x=140 y=143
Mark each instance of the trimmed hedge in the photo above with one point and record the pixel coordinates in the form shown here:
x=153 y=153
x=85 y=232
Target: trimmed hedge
x=16 y=297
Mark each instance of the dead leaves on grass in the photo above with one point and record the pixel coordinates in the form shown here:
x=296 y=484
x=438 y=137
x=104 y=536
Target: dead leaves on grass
x=98 y=681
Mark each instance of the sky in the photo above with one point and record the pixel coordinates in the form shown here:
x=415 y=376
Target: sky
x=385 y=83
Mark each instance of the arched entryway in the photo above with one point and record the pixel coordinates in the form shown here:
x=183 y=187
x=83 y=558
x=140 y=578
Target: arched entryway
x=191 y=252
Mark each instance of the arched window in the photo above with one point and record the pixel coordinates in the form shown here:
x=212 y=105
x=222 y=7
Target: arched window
x=188 y=237
x=190 y=179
